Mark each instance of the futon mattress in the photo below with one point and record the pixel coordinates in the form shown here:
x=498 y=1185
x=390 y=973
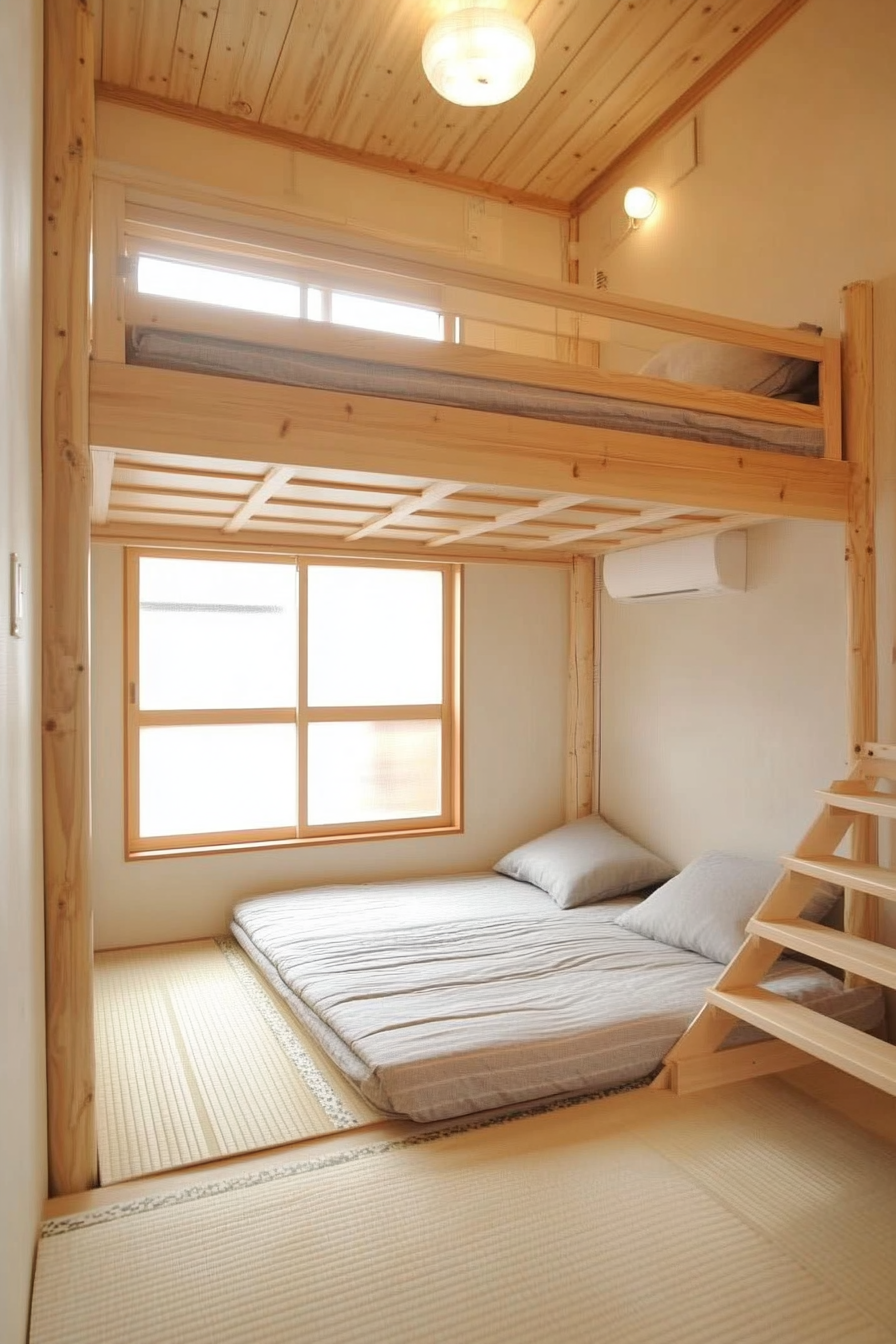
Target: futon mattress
x=446 y=996
x=271 y=364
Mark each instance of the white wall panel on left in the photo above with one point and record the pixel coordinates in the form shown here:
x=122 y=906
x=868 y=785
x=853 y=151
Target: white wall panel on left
x=22 y=1067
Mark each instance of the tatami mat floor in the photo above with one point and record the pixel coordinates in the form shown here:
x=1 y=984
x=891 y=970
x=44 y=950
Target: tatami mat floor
x=197 y=1060
x=749 y=1214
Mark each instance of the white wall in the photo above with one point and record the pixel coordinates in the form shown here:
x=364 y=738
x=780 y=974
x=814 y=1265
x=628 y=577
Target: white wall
x=22 y=1087
x=715 y=710
x=323 y=190
x=793 y=198
x=515 y=655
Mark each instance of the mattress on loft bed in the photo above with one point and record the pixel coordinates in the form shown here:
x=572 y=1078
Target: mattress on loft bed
x=190 y=353
x=446 y=996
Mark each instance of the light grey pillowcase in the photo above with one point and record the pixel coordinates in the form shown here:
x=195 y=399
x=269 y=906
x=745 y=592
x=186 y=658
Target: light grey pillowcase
x=734 y=367
x=705 y=908
x=584 y=862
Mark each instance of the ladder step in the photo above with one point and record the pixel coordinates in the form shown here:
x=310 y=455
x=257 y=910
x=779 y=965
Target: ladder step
x=850 y=873
x=858 y=800
x=845 y=1047
x=872 y=960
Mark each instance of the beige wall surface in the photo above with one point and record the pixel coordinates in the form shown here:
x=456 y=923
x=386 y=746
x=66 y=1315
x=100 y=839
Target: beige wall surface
x=22 y=1086
x=325 y=192
x=793 y=198
x=515 y=674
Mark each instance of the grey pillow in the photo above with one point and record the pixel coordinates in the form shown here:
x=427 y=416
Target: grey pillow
x=705 y=908
x=584 y=862
x=737 y=368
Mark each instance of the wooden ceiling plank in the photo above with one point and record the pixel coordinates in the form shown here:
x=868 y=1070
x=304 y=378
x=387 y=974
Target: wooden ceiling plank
x=438 y=490
x=695 y=44
x=156 y=47
x=688 y=101
x=303 y=144
x=606 y=56
x=122 y=24
x=556 y=504
x=560 y=31
x=243 y=56
x=192 y=43
x=618 y=524
x=403 y=115
x=273 y=479
x=102 y=466
x=659 y=41
x=96 y=10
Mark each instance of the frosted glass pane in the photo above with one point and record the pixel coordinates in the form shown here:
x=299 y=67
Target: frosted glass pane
x=224 y=778
x=225 y=289
x=374 y=636
x=217 y=634
x=374 y=771
x=403 y=319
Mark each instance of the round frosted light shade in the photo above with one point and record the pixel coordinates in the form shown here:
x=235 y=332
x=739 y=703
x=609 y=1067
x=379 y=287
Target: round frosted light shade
x=478 y=57
x=639 y=203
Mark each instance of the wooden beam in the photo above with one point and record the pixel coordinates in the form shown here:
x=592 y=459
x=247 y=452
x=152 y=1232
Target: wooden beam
x=306 y=144
x=260 y=495
x=155 y=410
x=689 y=100
x=621 y=523
x=102 y=467
x=580 y=691
x=735 y=1065
x=413 y=504
x=289 y=540
x=68 y=182
x=861 y=910
x=510 y=518
x=108 y=336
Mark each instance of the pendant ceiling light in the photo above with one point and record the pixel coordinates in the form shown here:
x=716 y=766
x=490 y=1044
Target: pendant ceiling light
x=478 y=57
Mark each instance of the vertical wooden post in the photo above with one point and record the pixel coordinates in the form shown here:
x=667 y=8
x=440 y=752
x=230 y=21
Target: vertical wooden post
x=861 y=913
x=68 y=181
x=580 y=696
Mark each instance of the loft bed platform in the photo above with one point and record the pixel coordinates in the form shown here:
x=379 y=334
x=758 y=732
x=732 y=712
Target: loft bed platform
x=208 y=422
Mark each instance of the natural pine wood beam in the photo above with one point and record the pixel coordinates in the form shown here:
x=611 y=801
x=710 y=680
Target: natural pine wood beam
x=68 y=184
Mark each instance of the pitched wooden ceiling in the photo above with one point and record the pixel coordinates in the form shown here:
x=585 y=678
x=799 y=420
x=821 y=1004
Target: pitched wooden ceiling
x=346 y=77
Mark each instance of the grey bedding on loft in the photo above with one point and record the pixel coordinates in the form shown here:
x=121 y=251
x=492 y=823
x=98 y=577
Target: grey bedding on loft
x=190 y=353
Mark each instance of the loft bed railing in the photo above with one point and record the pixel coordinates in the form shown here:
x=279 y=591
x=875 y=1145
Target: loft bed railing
x=445 y=410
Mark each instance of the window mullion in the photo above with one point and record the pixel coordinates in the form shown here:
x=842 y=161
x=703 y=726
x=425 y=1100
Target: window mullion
x=302 y=752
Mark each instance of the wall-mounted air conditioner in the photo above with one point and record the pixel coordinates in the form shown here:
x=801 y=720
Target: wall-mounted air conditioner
x=692 y=567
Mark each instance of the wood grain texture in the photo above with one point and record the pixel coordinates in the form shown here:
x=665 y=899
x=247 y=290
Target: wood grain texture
x=347 y=74
x=580 y=691
x=68 y=165
x=154 y=410
x=861 y=911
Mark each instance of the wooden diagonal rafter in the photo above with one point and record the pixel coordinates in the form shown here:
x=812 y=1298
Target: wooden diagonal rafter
x=263 y=491
x=621 y=523
x=431 y=495
x=511 y=517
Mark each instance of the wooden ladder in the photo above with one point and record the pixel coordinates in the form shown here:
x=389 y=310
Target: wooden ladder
x=800 y=1032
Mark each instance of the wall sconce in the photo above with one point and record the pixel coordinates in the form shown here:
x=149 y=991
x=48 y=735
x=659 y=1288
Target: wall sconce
x=639 y=204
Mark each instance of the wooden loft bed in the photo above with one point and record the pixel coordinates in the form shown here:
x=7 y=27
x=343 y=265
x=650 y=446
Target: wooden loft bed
x=237 y=441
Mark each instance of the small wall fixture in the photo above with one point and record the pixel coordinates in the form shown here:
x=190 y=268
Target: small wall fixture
x=639 y=204
x=478 y=57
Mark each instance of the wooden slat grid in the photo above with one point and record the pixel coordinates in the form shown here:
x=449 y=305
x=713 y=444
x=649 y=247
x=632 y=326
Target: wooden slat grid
x=232 y=500
x=347 y=74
